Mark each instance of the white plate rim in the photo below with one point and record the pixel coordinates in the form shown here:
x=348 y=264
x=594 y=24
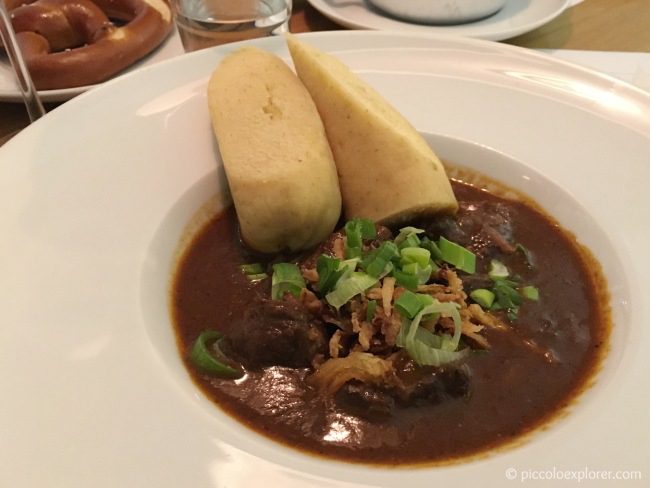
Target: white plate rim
x=366 y=18
x=23 y=140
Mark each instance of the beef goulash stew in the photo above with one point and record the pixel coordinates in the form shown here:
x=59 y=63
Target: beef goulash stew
x=433 y=321
x=395 y=346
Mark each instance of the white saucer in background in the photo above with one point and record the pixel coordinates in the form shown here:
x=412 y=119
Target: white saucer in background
x=515 y=18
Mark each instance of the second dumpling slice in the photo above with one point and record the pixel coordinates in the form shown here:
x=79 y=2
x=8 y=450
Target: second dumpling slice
x=387 y=172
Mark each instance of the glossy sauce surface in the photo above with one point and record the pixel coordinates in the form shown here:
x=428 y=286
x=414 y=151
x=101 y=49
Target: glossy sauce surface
x=532 y=370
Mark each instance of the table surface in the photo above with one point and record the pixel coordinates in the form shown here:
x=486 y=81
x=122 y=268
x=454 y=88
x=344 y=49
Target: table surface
x=597 y=25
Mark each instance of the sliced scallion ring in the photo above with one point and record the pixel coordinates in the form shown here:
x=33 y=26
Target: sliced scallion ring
x=252 y=268
x=286 y=278
x=350 y=287
x=432 y=247
x=408 y=232
x=457 y=255
x=485 y=298
x=378 y=261
x=415 y=255
x=408 y=281
x=204 y=360
x=355 y=231
x=498 y=270
x=530 y=292
x=408 y=304
x=328 y=272
x=257 y=277
x=254 y=271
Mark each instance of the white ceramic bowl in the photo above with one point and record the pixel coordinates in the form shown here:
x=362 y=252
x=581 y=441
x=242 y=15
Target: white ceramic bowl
x=91 y=382
x=439 y=11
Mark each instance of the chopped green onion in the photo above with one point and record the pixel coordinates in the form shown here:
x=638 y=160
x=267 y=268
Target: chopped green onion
x=353 y=235
x=406 y=280
x=423 y=274
x=367 y=228
x=446 y=309
x=512 y=314
x=450 y=309
x=429 y=338
x=411 y=268
x=425 y=300
x=257 y=277
x=527 y=254
x=412 y=241
x=343 y=271
x=506 y=282
x=498 y=270
x=368 y=258
x=370 y=310
x=348 y=266
x=252 y=269
x=426 y=348
x=506 y=296
x=349 y=287
x=328 y=272
x=432 y=247
x=352 y=252
x=530 y=293
x=407 y=237
x=415 y=255
x=286 y=279
x=457 y=255
x=204 y=360
x=408 y=304
x=378 y=261
x=355 y=231
x=485 y=298
x=432 y=356
x=353 y=241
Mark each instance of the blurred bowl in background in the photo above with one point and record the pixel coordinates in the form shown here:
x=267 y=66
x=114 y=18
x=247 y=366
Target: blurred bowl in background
x=439 y=11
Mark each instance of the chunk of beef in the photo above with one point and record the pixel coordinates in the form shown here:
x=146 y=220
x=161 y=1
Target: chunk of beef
x=434 y=385
x=477 y=280
x=276 y=333
x=368 y=401
x=417 y=385
x=483 y=227
x=412 y=386
x=448 y=227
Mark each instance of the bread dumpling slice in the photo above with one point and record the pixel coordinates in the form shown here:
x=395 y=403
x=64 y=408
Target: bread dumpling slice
x=387 y=171
x=278 y=162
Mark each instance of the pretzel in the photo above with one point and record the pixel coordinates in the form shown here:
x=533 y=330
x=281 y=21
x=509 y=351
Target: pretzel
x=70 y=43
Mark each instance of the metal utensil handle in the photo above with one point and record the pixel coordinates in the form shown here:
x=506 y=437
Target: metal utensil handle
x=30 y=95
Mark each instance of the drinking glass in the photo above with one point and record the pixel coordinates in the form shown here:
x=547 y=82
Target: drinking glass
x=205 y=23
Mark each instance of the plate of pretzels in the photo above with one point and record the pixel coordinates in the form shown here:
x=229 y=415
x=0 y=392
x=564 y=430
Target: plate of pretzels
x=70 y=46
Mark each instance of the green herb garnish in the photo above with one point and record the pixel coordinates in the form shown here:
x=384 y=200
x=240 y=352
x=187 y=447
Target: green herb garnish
x=286 y=279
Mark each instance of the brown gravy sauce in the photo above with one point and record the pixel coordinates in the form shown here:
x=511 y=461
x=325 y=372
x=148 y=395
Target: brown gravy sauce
x=514 y=391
